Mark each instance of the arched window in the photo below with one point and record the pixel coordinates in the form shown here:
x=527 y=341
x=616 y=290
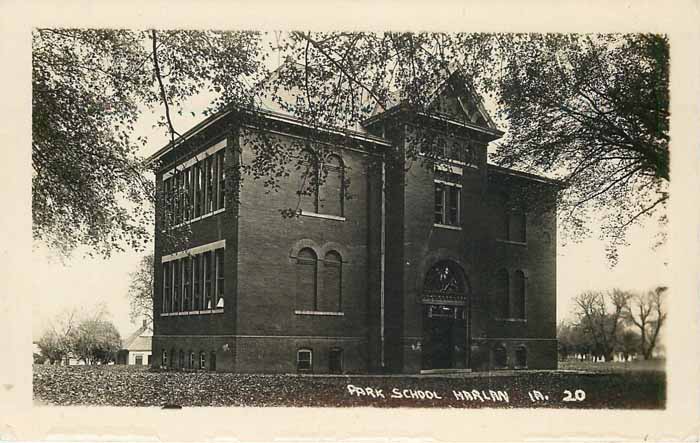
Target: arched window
x=332 y=283
x=182 y=359
x=190 y=364
x=502 y=295
x=308 y=186
x=445 y=277
x=332 y=187
x=306 y=280
x=500 y=357
x=518 y=300
x=304 y=360
x=521 y=357
x=202 y=360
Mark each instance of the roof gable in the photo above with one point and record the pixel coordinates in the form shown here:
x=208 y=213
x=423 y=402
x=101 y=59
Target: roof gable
x=456 y=100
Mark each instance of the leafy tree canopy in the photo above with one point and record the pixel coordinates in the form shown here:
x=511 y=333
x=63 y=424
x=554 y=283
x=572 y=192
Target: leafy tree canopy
x=591 y=110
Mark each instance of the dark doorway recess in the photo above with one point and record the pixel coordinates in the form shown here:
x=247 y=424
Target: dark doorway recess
x=444 y=337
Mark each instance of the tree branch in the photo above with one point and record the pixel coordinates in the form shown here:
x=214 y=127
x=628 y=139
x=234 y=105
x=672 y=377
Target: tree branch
x=163 y=95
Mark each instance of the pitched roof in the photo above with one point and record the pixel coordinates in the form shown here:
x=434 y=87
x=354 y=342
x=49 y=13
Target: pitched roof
x=470 y=111
x=139 y=340
x=140 y=344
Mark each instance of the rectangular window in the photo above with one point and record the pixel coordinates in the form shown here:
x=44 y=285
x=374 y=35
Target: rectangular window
x=182 y=197
x=187 y=201
x=207 y=280
x=439 y=203
x=304 y=360
x=219 y=278
x=447 y=204
x=167 y=201
x=138 y=360
x=176 y=285
x=177 y=194
x=221 y=187
x=196 y=285
x=187 y=284
x=166 y=287
x=210 y=199
x=453 y=195
x=197 y=189
x=205 y=188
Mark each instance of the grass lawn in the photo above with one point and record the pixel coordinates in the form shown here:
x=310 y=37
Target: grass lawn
x=134 y=386
x=614 y=366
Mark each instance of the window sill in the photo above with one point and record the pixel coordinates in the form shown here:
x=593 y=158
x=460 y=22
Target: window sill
x=323 y=313
x=451 y=227
x=446 y=183
x=512 y=320
x=201 y=217
x=445 y=163
x=205 y=311
x=511 y=242
x=324 y=216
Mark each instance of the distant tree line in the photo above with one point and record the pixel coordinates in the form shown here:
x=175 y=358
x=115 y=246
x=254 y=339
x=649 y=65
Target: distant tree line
x=615 y=321
x=91 y=339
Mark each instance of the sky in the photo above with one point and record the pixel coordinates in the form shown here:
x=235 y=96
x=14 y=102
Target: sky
x=84 y=282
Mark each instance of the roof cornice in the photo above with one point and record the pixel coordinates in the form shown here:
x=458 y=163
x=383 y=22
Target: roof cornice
x=270 y=115
x=526 y=175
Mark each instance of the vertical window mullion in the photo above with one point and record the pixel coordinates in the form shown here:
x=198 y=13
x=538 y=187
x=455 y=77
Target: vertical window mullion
x=444 y=204
x=210 y=183
x=215 y=182
x=205 y=188
x=183 y=274
x=222 y=179
x=220 y=268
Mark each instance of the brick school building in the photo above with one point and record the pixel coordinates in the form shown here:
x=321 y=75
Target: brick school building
x=387 y=266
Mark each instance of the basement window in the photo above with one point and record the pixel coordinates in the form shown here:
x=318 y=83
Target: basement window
x=304 y=360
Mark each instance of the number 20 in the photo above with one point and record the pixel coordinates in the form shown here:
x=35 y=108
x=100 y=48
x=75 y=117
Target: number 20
x=578 y=395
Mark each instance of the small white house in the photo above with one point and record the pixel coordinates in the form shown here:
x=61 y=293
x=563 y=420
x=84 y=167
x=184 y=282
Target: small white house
x=136 y=349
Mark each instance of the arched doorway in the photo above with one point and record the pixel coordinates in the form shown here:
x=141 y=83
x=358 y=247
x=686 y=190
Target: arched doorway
x=444 y=300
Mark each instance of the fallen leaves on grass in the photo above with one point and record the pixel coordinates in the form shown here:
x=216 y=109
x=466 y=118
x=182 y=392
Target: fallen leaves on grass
x=138 y=386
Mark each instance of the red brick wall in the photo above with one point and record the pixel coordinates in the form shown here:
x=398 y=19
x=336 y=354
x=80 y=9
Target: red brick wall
x=259 y=330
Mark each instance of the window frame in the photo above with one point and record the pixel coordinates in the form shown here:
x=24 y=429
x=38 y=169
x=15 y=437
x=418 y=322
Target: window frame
x=219 y=277
x=194 y=272
x=212 y=360
x=444 y=192
x=341 y=352
x=303 y=264
x=333 y=262
x=308 y=351
x=496 y=351
x=167 y=287
x=518 y=349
